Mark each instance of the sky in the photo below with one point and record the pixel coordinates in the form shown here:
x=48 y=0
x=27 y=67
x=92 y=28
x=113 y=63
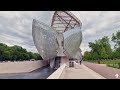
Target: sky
x=16 y=26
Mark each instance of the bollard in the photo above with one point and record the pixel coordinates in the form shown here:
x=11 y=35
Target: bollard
x=119 y=65
x=98 y=61
x=70 y=64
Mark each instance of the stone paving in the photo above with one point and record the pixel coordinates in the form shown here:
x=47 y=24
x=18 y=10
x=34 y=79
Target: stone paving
x=81 y=72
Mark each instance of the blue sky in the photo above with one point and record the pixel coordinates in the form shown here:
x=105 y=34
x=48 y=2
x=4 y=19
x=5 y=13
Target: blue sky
x=16 y=26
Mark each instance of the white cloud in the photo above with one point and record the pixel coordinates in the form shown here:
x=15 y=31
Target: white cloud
x=98 y=24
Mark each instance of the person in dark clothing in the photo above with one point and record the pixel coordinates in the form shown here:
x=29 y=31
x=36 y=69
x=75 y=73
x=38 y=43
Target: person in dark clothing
x=80 y=62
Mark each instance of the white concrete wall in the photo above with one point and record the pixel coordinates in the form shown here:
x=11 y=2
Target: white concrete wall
x=63 y=73
x=64 y=60
x=21 y=67
x=60 y=39
x=59 y=73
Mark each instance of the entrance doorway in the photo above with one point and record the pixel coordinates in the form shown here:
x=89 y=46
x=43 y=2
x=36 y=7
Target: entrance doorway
x=57 y=62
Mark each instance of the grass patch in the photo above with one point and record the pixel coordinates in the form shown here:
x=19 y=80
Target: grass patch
x=113 y=65
x=109 y=63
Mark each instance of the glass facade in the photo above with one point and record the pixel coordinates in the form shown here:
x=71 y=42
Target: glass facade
x=72 y=43
x=48 y=40
x=45 y=40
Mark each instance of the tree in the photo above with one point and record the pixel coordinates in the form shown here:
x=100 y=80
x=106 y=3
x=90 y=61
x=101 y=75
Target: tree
x=116 y=53
x=95 y=56
x=37 y=56
x=100 y=49
x=87 y=55
x=16 y=53
x=103 y=54
x=116 y=40
x=6 y=55
x=108 y=50
x=24 y=56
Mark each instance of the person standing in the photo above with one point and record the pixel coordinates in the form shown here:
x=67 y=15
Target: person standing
x=80 y=62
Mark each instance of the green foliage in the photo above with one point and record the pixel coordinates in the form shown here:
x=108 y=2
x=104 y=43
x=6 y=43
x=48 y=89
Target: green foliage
x=100 y=49
x=116 y=53
x=87 y=55
x=16 y=53
x=116 y=40
x=103 y=54
x=113 y=65
x=109 y=63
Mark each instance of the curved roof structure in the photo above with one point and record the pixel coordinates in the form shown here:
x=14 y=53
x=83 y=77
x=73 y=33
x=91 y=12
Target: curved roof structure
x=45 y=37
x=65 y=20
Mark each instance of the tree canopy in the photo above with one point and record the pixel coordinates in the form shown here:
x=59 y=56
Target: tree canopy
x=16 y=53
x=116 y=40
x=100 y=49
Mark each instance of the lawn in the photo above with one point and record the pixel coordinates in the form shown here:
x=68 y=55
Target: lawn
x=109 y=63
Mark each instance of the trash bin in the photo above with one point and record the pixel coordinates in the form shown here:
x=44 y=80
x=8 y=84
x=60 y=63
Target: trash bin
x=98 y=61
x=71 y=64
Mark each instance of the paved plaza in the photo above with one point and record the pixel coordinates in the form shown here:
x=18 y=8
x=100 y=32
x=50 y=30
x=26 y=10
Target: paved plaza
x=81 y=72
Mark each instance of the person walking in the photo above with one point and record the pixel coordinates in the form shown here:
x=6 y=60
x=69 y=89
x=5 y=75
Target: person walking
x=80 y=62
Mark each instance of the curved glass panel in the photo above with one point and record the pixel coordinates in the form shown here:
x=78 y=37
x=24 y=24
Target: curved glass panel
x=72 y=42
x=44 y=39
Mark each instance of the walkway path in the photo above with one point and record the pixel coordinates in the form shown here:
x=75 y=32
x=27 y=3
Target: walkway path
x=81 y=72
x=103 y=70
